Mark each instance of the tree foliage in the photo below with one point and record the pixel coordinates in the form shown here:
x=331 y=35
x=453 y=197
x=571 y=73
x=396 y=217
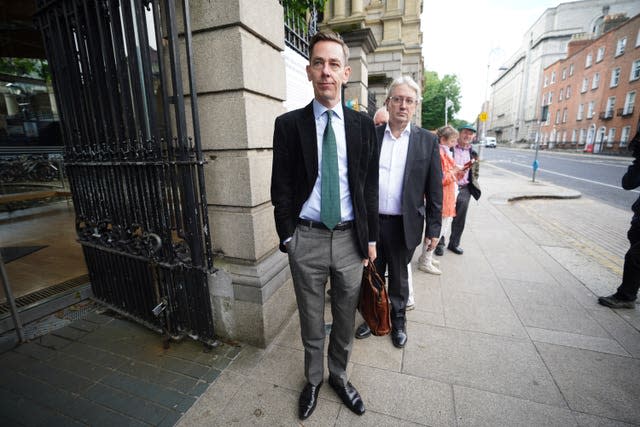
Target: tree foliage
x=435 y=93
x=300 y=7
x=24 y=67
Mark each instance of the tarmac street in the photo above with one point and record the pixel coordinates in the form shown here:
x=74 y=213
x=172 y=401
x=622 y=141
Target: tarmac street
x=510 y=334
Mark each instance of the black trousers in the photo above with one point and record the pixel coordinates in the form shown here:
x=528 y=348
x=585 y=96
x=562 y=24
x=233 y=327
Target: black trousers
x=628 y=290
x=462 y=206
x=393 y=255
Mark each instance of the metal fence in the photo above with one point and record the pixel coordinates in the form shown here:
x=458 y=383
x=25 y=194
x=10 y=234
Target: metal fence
x=135 y=174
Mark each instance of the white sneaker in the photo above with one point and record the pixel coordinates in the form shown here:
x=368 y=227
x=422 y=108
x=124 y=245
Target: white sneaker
x=435 y=262
x=429 y=268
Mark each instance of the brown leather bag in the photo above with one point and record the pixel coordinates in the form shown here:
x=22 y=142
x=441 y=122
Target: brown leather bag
x=374 y=301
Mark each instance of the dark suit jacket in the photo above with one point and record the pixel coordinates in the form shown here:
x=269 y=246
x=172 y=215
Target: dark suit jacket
x=295 y=169
x=422 y=177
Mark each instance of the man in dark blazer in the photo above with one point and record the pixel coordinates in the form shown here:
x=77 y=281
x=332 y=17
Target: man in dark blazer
x=315 y=149
x=410 y=198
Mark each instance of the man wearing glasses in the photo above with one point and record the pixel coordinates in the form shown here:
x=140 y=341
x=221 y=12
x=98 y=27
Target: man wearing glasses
x=410 y=171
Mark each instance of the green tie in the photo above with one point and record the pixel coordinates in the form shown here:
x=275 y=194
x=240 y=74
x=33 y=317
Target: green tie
x=330 y=196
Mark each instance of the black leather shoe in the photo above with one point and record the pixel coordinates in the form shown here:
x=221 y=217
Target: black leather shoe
x=439 y=250
x=308 y=400
x=398 y=337
x=363 y=331
x=456 y=249
x=349 y=395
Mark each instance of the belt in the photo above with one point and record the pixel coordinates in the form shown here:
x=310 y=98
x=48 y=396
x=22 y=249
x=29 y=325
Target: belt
x=341 y=226
x=385 y=216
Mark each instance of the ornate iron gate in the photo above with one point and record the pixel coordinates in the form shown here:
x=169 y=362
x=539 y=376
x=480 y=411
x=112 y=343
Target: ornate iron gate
x=136 y=176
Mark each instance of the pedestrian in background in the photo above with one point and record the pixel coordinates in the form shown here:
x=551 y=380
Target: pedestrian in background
x=447 y=137
x=409 y=171
x=625 y=296
x=324 y=188
x=467 y=187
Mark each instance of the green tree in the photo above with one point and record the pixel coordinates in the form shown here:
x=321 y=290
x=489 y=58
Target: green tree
x=435 y=93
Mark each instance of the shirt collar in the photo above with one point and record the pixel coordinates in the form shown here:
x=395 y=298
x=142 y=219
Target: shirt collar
x=405 y=131
x=319 y=109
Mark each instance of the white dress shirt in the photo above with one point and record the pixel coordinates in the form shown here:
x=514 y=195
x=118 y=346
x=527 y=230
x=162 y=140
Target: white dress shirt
x=393 y=158
x=311 y=208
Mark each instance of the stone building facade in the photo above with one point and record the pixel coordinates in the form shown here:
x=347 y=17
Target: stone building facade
x=395 y=27
x=591 y=95
x=515 y=95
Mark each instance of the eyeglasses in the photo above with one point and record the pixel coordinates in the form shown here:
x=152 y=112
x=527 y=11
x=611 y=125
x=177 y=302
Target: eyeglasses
x=398 y=100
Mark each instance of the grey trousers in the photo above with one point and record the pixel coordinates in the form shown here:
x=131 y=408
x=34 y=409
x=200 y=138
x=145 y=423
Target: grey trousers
x=314 y=256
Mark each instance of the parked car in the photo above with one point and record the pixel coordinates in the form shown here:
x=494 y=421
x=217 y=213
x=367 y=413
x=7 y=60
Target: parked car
x=490 y=142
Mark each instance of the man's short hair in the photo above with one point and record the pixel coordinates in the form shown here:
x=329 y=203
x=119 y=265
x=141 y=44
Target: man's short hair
x=381 y=116
x=405 y=80
x=329 y=36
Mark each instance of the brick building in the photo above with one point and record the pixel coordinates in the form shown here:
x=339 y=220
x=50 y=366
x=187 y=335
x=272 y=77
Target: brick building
x=590 y=96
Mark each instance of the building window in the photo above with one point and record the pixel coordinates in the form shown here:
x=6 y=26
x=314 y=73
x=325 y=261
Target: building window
x=628 y=103
x=574 y=133
x=564 y=115
x=553 y=77
x=580 y=112
x=611 y=105
x=611 y=137
x=560 y=95
x=550 y=98
x=568 y=93
x=638 y=39
x=588 y=61
x=590 y=109
x=564 y=71
x=564 y=136
x=570 y=69
x=624 y=136
x=546 y=81
x=635 y=70
x=585 y=85
x=558 y=117
x=622 y=43
x=596 y=81
x=615 y=77
x=600 y=54
x=583 y=135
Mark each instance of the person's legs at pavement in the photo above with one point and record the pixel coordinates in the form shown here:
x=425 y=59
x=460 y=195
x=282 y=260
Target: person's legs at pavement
x=457 y=226
x=627 y=292
x=411 y=302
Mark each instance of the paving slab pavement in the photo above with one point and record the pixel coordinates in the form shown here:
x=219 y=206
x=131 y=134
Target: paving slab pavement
x=510 y=334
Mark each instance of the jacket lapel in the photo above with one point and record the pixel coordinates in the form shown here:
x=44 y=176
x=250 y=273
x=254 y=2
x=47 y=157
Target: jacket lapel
x=412 y=154
x=353 y=137
x=309 y=143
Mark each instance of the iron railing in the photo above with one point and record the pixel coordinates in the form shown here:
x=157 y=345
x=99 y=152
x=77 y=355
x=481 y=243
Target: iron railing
x=135 y=173
x=298 y=30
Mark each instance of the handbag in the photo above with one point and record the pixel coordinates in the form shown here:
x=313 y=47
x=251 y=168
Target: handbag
x=374 y=301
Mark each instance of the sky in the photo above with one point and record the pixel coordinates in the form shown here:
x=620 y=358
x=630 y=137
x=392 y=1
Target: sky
x=472 y=39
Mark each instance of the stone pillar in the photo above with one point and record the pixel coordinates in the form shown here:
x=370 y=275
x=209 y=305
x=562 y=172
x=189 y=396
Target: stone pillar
x=339 y=7
x=356 y=7
x=11 y=103
x=240 y=77
x=361 y=43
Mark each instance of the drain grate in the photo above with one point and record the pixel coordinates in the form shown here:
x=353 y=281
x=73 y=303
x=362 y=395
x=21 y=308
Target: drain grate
x=51 y=291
